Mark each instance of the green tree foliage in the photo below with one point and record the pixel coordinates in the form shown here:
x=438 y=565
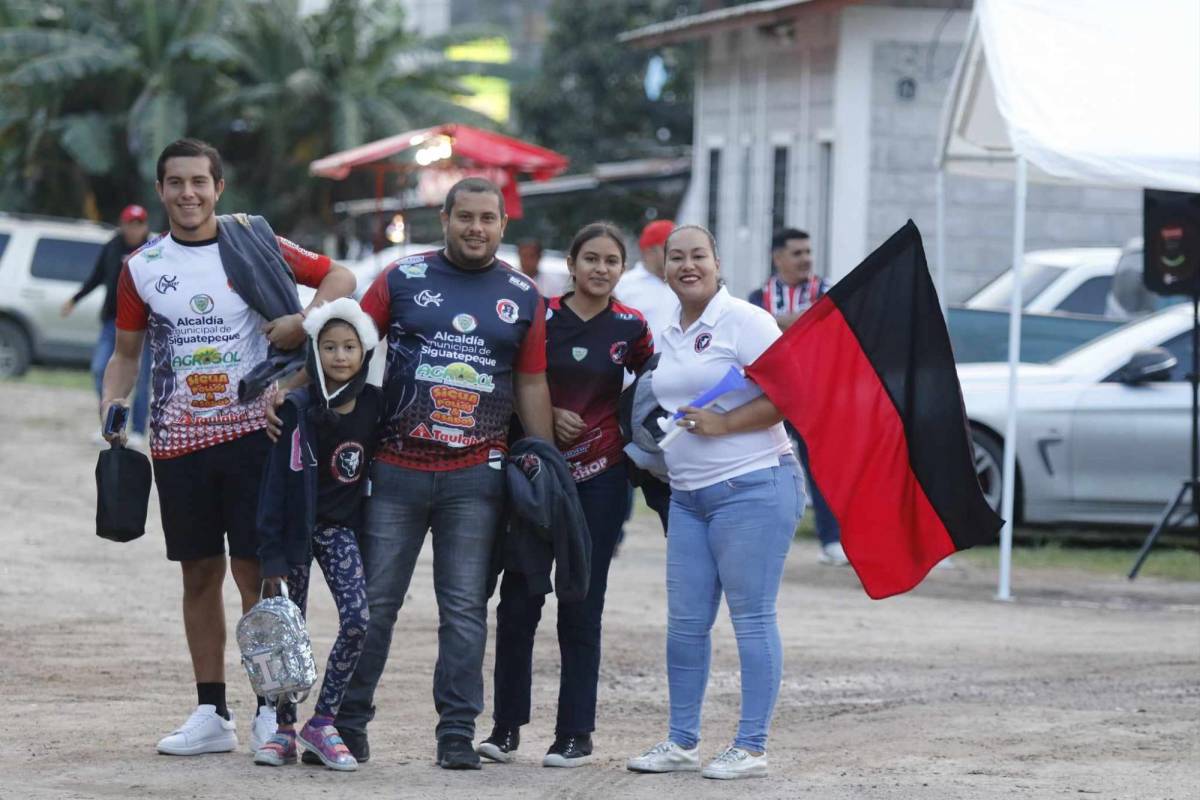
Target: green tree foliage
x=92 y=90
x=589 y=99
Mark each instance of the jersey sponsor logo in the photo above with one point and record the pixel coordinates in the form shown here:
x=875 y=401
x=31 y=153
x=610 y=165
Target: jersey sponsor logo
x=412 y=267
x=205 y=357
x=166 y=283
x=625 y=316
x=451 y=437
x=584 y=471
x=579 y=353
x=507 y=311
x=347 y=462
x=464 y=323
x=583 y=444
x=454 y=406
x=427 y=298
x=201 y=303
x=520 y=283
x=307 y=254
x=464 y=376
x=205 y=388
x=618 y=352
x=153 y=254
x=702 y=342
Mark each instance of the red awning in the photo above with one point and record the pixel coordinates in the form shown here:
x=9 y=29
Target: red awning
x=468 y=147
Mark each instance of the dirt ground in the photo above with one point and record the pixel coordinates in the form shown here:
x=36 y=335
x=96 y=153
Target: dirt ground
x=1082 y=687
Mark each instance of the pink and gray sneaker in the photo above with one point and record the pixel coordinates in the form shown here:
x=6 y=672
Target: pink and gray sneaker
x=323 y=741
x=280 y=749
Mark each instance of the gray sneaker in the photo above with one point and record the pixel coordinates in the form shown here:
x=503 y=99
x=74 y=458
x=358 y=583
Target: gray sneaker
x=833 y=555
x=666 y=757
x=736 y=763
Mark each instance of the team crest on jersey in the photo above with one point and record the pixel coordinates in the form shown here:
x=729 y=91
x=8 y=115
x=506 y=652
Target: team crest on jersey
x=202 y=303
x=428 y=298
x=702 y=342
x=166 y=283
x=507 y=311
x=530 y=464
x=347 y=462
x=579 y=353
x=464 y=323
x=618 y=352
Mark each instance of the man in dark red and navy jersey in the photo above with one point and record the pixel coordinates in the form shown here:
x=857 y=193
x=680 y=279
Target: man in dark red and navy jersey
x=466 y=340
x=209 y=447
x=794 y=287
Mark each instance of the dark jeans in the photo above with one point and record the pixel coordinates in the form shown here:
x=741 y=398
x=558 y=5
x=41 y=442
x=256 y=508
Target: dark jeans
x=605 y=499
x=462 y=507
x=828 y=531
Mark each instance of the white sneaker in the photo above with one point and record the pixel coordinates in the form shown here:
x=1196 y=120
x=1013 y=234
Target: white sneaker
x=666 y=757
x=833 y=555
x=263 y=727
x=736 y=763
x=204 y=732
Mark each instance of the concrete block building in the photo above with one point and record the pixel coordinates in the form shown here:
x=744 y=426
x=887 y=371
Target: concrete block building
x=825 y=114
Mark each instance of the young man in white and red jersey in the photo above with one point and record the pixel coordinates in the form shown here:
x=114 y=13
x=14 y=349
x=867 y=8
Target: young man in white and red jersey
x=787 y=294
x=208 y=447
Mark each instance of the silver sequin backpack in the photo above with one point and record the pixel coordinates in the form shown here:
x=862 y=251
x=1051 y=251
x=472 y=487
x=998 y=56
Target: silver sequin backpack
x=276 y=650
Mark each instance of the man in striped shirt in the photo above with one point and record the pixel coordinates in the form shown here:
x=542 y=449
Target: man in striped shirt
x=794 y=287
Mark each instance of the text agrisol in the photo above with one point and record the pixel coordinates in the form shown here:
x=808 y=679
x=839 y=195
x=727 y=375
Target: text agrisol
x=457 y=374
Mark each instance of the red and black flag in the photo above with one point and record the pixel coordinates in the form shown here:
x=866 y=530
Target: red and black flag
x=867 y=377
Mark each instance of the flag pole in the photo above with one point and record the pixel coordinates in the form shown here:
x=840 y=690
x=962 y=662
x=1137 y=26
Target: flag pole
x=939 y=244
x=1009 y=479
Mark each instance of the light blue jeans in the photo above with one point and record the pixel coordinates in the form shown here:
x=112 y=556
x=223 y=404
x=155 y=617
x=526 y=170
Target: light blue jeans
x=105 y=345
x=731 y=537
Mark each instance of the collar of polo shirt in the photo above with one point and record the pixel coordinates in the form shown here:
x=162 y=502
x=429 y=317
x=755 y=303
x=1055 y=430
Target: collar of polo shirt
x=712 y=312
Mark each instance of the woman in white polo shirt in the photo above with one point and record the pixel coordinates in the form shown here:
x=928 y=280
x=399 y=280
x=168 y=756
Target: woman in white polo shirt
x=736 y=497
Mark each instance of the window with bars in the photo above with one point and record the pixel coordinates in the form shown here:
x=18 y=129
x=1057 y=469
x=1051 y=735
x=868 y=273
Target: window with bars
x=714 y=188
x=779 y=198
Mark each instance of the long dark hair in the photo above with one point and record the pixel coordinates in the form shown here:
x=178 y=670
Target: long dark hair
x=595 y=230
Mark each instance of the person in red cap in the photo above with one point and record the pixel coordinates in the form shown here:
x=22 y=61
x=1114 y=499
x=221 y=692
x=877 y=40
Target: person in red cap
x=644 y=286
x=134 y=232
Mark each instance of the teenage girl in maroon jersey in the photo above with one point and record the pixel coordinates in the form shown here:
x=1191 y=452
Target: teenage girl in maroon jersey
x=591 y=340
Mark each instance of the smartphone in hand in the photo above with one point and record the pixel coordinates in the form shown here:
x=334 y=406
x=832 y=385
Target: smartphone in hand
x=114 y=421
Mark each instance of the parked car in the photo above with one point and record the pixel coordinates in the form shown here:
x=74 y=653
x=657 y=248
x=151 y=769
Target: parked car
x=980 y=335
x=1102 y=431
x=1075 y=280
x=1129 y=296
x=43 y=261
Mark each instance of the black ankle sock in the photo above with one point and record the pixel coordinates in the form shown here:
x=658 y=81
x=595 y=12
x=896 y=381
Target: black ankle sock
x=213 y=694
x=259 y=701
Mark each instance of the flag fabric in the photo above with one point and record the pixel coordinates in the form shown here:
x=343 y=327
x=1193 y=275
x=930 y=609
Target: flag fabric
x=867 y=377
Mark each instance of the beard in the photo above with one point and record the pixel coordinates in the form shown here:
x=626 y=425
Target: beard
x=455 y=255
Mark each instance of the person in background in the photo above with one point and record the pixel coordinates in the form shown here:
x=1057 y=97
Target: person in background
x=529 y=259
x=591 y=340
x=133 y=232
x=787 y=294
x=645 y=288
x=736 y=497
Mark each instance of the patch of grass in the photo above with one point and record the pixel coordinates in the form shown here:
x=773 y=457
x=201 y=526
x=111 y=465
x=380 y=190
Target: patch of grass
x=1171 y=563
x=56 y=377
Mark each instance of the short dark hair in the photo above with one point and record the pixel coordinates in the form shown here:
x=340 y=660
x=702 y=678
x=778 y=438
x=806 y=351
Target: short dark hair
x=594 y=231
x=474 y=185
x=190 y=148
x=782 y=237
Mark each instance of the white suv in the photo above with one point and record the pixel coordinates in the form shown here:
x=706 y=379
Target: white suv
x=43 y=261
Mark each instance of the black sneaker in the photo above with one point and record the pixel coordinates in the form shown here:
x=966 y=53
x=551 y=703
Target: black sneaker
x=456 y=752
x=501 y=745
x=569 y=751
x=355 y=741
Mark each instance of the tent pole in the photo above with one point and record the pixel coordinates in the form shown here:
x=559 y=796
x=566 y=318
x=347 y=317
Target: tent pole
x=1009 y=479
x=939 y=244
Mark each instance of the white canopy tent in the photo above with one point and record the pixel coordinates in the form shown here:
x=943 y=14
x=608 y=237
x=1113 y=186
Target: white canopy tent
x=1100 y=92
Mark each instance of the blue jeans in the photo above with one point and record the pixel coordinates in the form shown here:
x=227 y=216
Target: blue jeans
x=463 y=508
x=730 y=537
x=605 y=499
x=826 y=523
x=105 y=346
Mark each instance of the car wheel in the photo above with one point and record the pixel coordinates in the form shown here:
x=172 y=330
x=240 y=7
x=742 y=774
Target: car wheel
x=15 y=352
x=989 y=466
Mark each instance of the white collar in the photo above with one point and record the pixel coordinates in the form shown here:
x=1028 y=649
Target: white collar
x=712 y=312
